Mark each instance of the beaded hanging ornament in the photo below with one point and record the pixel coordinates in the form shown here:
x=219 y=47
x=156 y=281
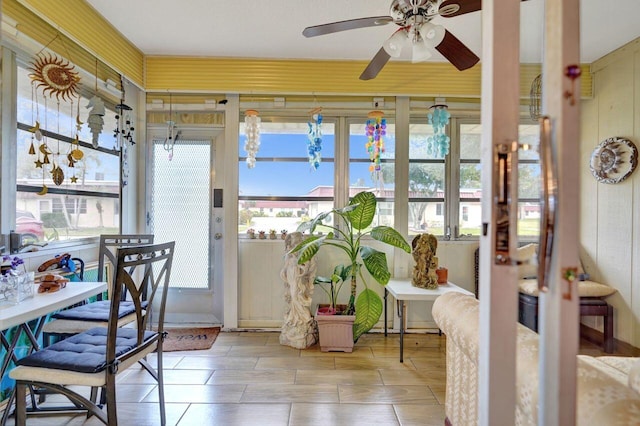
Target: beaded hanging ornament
x=376 y=129
x=314 y=144
x=438 y=144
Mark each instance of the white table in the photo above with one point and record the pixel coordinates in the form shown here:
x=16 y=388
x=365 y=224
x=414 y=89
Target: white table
x=37 y=308
x=402 y=290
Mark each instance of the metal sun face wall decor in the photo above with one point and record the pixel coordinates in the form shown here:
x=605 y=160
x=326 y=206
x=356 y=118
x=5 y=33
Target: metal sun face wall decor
x=613 y=160
x=56 y=78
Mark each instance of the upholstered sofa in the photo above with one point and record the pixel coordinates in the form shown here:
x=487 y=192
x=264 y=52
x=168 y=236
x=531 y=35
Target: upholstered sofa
x=608 y=387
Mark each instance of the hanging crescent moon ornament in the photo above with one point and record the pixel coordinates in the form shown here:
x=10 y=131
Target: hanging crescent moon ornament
x=56 y=76
x=613 y=160
x=44 y=190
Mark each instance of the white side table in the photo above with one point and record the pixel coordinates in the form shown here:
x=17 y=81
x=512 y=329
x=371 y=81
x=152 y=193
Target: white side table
x=402 y=290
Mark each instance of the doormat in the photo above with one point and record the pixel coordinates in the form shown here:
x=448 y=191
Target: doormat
x=189 y=339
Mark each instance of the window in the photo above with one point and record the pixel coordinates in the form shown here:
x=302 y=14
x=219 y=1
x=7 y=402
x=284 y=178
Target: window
x=362 y=174
x=426 y=182
x=470 y=188
x=86 y=203
x=283 y=189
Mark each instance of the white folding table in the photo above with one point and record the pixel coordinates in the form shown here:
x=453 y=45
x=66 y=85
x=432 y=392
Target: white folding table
x=402 y=289
x=37 y=308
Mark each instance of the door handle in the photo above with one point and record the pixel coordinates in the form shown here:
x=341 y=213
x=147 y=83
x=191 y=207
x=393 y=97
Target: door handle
x=548 y=203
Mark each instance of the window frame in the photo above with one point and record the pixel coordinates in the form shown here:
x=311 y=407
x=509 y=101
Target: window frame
x=12 y=62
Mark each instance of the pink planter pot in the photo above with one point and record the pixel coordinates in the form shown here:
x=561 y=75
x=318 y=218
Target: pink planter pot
x=336 y=332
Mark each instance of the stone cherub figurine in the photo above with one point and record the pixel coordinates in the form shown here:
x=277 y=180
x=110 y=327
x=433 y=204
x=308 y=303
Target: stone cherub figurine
x=299 y=329
x=424 y=252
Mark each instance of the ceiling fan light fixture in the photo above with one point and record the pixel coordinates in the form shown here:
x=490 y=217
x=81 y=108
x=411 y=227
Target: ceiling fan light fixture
x=432 y=34
x=394 y=44
x=421 y=52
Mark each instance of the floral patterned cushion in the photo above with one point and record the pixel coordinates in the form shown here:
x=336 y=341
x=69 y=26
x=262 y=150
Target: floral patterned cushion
x=607 y=388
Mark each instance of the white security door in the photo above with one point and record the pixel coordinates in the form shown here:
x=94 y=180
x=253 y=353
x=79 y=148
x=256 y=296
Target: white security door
x=180 y=209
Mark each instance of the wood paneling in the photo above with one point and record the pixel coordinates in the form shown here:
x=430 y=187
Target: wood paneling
x=610 y=217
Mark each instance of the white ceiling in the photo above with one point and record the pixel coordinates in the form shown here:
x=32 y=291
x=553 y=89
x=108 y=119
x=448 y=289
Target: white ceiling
x=273 y=28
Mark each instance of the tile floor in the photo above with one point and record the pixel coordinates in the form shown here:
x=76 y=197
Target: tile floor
x=248 y=378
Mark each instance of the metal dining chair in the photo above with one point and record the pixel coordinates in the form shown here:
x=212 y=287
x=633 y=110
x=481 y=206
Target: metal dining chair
x=95 y=357
x=80 y=318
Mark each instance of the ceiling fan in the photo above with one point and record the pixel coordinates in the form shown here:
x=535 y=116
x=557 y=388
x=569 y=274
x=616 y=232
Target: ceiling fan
x=416 y=30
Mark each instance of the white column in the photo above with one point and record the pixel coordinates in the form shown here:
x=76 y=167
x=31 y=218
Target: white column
x=498 y=290
x=559 y=319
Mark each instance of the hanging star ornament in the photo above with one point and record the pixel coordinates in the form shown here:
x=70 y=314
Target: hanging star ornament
x=38 y=163
x=73 y=179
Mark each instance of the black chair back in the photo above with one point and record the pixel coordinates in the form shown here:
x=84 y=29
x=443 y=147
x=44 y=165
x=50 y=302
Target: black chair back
x=151 y=266
x=109 y=243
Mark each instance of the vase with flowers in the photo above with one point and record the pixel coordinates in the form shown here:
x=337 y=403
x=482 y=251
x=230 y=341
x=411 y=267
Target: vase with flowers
x=16 y=284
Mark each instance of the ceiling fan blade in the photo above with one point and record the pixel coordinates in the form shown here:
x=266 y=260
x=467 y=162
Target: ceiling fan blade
x=350 y=24
x=375 y=66
x=456 y=52
x=451 y=8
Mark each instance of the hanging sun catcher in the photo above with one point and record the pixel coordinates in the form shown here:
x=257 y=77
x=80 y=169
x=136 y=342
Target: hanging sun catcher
x=438 y=144
x=55 y=76
x=376 y=129
x=57 y=79
x=314 y=144
x=252 y=133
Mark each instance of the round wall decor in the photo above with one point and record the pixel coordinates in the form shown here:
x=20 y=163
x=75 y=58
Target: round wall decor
x=613 y=160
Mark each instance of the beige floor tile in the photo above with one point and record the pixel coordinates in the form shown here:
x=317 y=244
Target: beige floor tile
x=358 y=352
x=226 y=377
x=215 y=350
x=440 y=392
x=300 y=363
x=199 y=394
x=128 y=414
x=343 y=414
x=419 y=377
x=334 y=377
x=420 y=415
x=395 y=377
x=269 y=393
x=379 y=340
x=216 y=363
x=242 y=339
x=264 y=350
x=396 y=394
x=373 y=363
x=171 y=377
x=168 y=360
x=273 y=339
x=237 y=414
x=409 y=352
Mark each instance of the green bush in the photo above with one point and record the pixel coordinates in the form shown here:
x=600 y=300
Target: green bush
x=53 y=220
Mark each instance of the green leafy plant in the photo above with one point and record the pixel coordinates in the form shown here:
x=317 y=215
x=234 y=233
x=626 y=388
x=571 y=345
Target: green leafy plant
x=334 y=284
x=357 y=217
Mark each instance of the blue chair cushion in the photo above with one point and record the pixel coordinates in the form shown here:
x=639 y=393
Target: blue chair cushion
x=84 y=352
x=96 y=311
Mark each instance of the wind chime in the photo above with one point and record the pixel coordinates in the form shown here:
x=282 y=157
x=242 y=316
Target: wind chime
x=376 y=129
x=172 y=133
x=314 y=144
x=252 y=132
x=438 y=144
x=56 y=78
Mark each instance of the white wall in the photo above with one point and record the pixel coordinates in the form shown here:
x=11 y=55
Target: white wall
x=261 y=291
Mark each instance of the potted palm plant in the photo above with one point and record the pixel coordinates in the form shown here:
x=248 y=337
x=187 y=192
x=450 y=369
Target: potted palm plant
x=357 y=218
